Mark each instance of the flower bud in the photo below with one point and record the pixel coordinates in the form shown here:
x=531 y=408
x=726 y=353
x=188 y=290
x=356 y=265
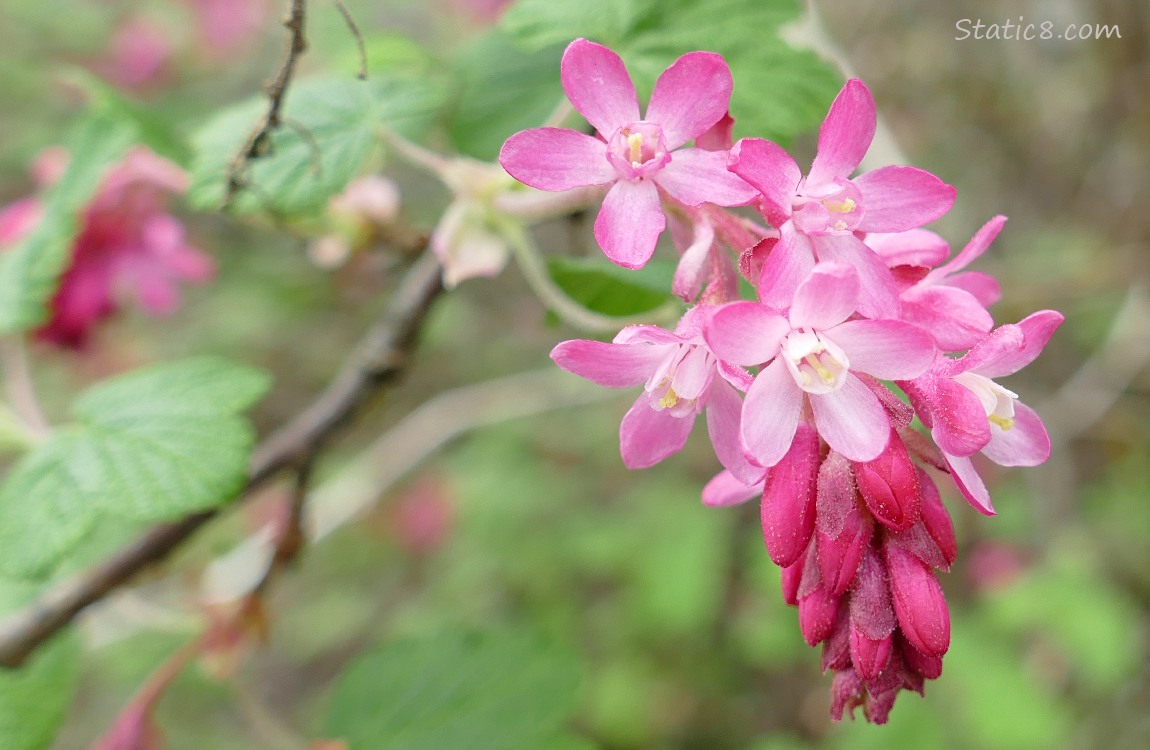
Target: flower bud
x=788 y=510
x=889 y=485
x=929 y=667
x=871 y=610
x=870 y=656
x=817 y=613
x=918 y=602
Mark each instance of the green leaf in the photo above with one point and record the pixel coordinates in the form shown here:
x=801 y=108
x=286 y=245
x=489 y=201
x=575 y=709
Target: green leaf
x=504 y=90
x=536 y=24
x=608 y=289
x=33 y=699
x=30 y=271
x=497 y=691
x=150 y=445
x=331 y=128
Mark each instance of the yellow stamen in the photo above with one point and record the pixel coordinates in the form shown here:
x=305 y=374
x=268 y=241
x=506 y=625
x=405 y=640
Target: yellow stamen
x=841 y=207
x=670 y=398
x=825 y=375
x=635 y=142
x=1004 y=422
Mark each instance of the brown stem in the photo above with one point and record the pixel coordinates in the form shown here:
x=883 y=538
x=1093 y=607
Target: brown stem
x=379 y=359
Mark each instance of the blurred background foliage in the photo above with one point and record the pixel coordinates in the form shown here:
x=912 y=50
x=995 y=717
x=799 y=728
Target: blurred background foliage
x=667 y=615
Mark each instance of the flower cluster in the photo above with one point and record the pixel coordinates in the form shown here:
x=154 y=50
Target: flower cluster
x=852 y=295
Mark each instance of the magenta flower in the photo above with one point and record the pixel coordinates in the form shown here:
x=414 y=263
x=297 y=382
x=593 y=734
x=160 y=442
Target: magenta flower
x=678 y=371
x=641 y=158
x=814 y=354
x=127 y=243
x=818 y=216
x=969 y=413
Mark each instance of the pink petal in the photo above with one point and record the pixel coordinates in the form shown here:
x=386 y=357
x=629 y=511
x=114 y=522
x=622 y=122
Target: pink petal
x=771 y=414
x=647 y=436
x=886 y=349
x=999 y=345
x=966 y=478
x=1024 y=444
x=878 y=296
x=851 y=420
x=695 y=176
x=745 y=333
x=772 y=171
x=827 y=297
x=790 y=261
x=599 y=87
x=960 y=426
x=719 y=137
x=610 y=365
x=900 y=198
x=630 y=222
x=694 y=373
x=724 y=409
x=1036 y=331
x=845 y=135
x=556 y=159
x=693 y=263
x=982 y=286
x=915 y=247
x=690 y=96
x=955 y=318
x=646 y=334
x=976 y=247
x=724 y=490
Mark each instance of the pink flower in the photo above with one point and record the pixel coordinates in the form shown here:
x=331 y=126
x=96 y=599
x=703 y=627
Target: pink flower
x=139 y=57
x=678 y=372
x=641 y=158
x=813 y=355
x=818 y=216
x=948 y=302
x=226 y=27
x=127 y=242
x=969 y=413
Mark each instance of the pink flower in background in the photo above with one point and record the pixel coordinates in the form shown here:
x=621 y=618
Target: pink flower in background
x=818 y=215
x=127 y=244
x=969 y=413
x=139 y=56
x=226 y=27
x=681 y=378
x=814 y=354
x=640 y=158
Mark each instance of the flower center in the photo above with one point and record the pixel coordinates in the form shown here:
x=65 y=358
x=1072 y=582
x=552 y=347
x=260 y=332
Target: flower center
x=638 y=150
x=817 y=364
x=833 y=208
x=682 y=380
x=997 y=401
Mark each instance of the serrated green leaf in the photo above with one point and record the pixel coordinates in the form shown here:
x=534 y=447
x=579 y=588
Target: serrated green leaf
x=331 y=129
x=608 y=289
x=504 y=90
x=498 y=691
x=33 y=699
x=30 y=271
x=150 y=445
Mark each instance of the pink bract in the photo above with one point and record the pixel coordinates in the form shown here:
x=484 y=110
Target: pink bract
x=640 y=157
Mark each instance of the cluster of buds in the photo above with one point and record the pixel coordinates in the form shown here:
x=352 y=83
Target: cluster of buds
x=852 y=295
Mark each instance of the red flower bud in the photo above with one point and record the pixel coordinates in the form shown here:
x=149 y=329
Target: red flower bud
x=889 y=485
x=869 y=656
x=918 y=602
x=817 y=613
x=788 y=510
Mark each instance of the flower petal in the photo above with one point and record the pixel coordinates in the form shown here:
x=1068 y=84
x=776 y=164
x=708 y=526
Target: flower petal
x=1024 y=444
x=975 y=248
x=630 y=222
x=693 y=264
x=771 y=414
x=690 y=96
x=982 y=286
x=724 y=490
x=914 y=247
x=789 y=262
x=852 y=420
x=599 y=87
x=827 y=297
x=1036 y=331
x=647 y=436
x=845 y=135
x=953 y=316
x=896 y=199
x=695 y=176
x=998 y=345
x=959 y=423
x=968 y=482
x=771 y=170
x=878 y=296
x=610 y=365
x=886 y=349
x=724 y=409
x=745 y=333
x=556 y=159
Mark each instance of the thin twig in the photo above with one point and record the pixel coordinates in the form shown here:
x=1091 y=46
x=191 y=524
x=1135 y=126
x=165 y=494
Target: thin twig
x=354 y=30
x=378 y=361
x=18 y=385
x=258 y=143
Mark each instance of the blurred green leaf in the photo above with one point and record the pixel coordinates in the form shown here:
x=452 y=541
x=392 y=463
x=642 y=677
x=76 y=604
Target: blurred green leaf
x=497 y=691
x=503 y=90
x=536 y=24
x=331 y=127
x=30 y=271
x=154 y=126
x=608 y=289
x=150 y=445
x=33 y=698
